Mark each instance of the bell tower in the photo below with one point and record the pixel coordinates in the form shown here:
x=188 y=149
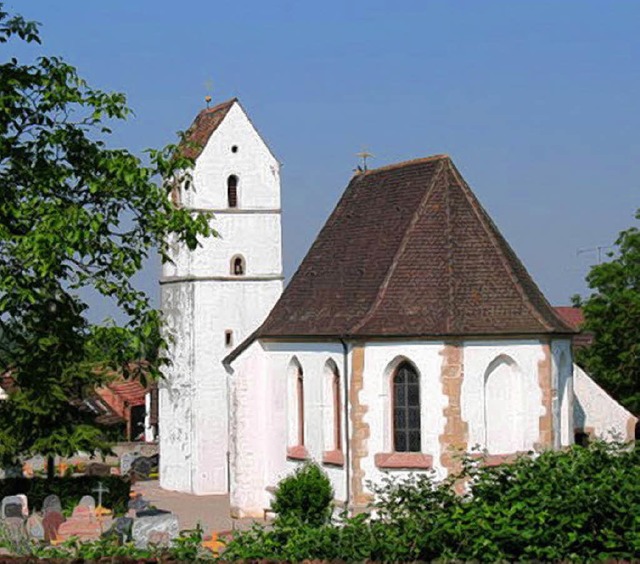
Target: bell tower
x=215 y=297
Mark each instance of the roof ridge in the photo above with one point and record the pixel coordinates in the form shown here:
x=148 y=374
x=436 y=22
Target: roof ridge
x=410 y=162
x=218 y=106
x=491 y=234
x=401 y=247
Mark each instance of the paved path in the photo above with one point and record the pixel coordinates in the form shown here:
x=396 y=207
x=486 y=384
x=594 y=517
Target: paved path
x=211 y=511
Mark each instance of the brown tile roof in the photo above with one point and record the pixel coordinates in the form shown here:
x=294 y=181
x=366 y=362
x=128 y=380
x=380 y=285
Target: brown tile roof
x=206 y=122
x=571 y=315
x=409 y=251
x=574 y=317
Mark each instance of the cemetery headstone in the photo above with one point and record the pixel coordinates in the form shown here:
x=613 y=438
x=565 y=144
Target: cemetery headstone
x=158 y=529
x=82 y=524
x=88 y=501
x=51 y=503
x=12 y=507
x=15 y=530
x=35 y=527
x=25 y=505
x=121 y=529
x=138 y=503
x=97 y=469
x=51 y=524
x=126 y=460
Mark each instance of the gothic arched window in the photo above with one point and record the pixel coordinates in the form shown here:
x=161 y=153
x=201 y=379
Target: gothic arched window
x=300 y=405
x=406 y=409
x=238 y=266
x=232 y=191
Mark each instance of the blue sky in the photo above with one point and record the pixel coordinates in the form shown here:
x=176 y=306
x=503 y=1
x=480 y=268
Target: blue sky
x=536 y=102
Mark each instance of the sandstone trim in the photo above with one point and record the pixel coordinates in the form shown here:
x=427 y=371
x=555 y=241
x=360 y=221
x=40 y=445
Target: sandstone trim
x=545 y=426
x=360 y=430
x=455 y=436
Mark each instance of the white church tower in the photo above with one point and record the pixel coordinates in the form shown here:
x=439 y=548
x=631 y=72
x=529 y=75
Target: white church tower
x=215 y=297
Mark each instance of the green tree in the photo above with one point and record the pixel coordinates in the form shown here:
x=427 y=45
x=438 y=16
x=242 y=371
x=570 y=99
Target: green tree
x=74 y=213
x=612 y=314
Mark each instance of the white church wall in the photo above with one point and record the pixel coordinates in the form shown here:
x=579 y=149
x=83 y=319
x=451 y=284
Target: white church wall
x=597 y=413
x=312 y=358
x=562 y=371
x=510 y=369
x=257 y=169
x=380 y=361
x=194 y=404
x=176 y=391
x=255 y=236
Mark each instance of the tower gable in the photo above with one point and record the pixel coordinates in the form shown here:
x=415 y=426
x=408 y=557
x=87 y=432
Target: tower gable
x=234 y=167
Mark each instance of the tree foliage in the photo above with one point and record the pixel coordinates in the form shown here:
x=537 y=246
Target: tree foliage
x=612 y=314
x=74 y=213
x=580 y=504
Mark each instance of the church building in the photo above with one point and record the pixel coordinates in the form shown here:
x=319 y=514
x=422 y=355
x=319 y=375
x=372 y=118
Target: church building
x=410 y=332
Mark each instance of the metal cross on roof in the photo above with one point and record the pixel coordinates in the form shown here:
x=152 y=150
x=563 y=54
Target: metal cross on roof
x=208 y=85
x=364 y=155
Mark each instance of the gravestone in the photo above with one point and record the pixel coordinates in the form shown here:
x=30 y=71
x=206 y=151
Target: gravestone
x=51 y=524
x=51 y=503
x=97 y=469
x=88 y=501
x=25 y=505
x=126 y=460
x=138 y=503
x=15 y=530
x=158 y=529
x=82 y=524
x=151 y=512
x=12 y=506
x=35 y=527
x=121 y=529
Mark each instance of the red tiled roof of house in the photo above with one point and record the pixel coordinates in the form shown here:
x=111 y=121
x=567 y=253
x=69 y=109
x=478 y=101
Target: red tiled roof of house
x=206 y=122
x=409 y=251
x=571 y=315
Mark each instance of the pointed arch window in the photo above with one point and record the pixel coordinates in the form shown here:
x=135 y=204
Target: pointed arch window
x=406 y=409
x=295 y=399
x=300 y=405
x=232 y=191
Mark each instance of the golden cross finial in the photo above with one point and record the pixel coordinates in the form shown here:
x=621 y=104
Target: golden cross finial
x=208 y=85
x=364 y=155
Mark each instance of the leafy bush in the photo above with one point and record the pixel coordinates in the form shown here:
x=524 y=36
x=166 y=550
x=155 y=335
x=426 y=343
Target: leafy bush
x=583 y=503
x=69 y=490
x=186 y=548
x=305 y=496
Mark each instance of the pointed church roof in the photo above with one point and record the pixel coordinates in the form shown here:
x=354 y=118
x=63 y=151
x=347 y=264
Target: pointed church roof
x=206 y=122
x=409 y=251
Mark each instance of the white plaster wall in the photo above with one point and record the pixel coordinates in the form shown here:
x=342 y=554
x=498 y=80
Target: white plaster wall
x=478 y=357
x=562 y=375
x=257 y=169
x=203 y=300
x=176 y=390
x=380 y=361
x=255 y=236
x=595 y=409
x=260 y=416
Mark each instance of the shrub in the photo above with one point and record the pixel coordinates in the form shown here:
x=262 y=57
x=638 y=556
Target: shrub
x=69 y=490
x=306 y=496
x=578 y=504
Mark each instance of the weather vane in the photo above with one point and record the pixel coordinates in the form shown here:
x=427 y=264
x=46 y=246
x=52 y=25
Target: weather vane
x=208 y=85
x=364 y=155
